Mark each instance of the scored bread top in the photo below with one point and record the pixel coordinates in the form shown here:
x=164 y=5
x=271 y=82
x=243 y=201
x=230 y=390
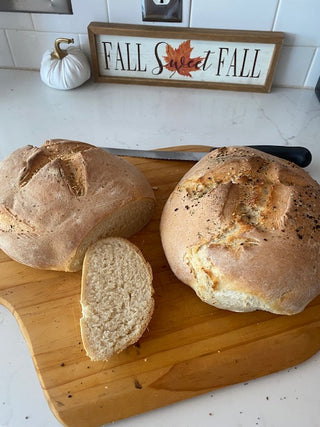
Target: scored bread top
x=243 y=229
x=55 y=200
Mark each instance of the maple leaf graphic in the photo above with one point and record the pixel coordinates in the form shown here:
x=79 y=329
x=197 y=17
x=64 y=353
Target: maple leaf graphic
x=179 y=59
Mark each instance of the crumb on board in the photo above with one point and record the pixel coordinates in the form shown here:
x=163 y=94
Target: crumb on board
x=137 y=384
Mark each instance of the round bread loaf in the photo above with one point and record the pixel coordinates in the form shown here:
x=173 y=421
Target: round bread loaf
x=58 y=199
x=242 y=228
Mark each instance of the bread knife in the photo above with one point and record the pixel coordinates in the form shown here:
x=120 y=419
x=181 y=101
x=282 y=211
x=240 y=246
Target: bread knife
x=301 y=156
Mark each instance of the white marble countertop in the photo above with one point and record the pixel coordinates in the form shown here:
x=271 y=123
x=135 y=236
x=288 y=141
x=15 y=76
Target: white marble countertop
x=152 y=117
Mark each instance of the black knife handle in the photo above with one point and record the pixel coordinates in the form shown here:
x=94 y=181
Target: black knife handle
x=301 y=156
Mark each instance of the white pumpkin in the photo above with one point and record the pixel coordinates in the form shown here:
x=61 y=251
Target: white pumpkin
x=64 y=69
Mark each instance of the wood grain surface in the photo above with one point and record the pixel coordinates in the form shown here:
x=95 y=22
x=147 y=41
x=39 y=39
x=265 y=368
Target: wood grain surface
x=189 y=348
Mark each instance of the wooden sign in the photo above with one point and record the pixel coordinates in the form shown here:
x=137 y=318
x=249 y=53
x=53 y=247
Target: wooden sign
x=203 y=58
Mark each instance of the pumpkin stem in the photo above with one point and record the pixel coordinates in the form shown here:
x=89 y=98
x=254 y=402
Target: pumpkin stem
x=59 y=53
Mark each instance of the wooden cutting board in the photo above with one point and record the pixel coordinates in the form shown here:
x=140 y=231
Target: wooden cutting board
x=189 y=348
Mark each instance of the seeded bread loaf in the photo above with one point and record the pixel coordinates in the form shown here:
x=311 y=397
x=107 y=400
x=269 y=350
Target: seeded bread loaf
x=116 y=297
x=58 y=199
x=242 y=228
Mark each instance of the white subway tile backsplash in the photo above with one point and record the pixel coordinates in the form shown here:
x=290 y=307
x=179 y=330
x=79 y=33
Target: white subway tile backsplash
x=300 y=20
x=293 y=66
x=233 y=14
x=130 y=12
x=84 y=44
x=125 y=11
x=24 y=37
x=5 y=54
x=16 y=21
x=83 y=13
x=28 y=46
x=314 y=72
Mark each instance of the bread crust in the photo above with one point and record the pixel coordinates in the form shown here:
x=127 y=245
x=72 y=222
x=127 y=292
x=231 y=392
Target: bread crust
x=52 y=197
x=242 y=228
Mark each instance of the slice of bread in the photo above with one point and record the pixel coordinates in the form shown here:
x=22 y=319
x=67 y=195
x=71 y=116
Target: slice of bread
x=116 y=297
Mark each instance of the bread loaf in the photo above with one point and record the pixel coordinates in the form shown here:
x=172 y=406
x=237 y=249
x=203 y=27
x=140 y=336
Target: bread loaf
x=116 y=297
x=58 y=199
x=242 y=228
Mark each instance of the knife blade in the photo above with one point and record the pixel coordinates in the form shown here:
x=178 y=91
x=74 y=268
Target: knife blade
x=301 y=156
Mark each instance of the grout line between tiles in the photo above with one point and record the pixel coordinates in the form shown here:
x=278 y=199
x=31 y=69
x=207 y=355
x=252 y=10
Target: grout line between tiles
x=275 y=15
x=32 y=20
x=309 y=68
x=189 y=20
x=10 y=48
x=108 y=11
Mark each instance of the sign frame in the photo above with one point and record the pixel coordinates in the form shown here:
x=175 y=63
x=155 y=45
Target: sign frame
x=242 y=39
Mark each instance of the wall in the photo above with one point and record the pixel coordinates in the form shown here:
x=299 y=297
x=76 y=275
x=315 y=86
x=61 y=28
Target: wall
x=25 y=36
